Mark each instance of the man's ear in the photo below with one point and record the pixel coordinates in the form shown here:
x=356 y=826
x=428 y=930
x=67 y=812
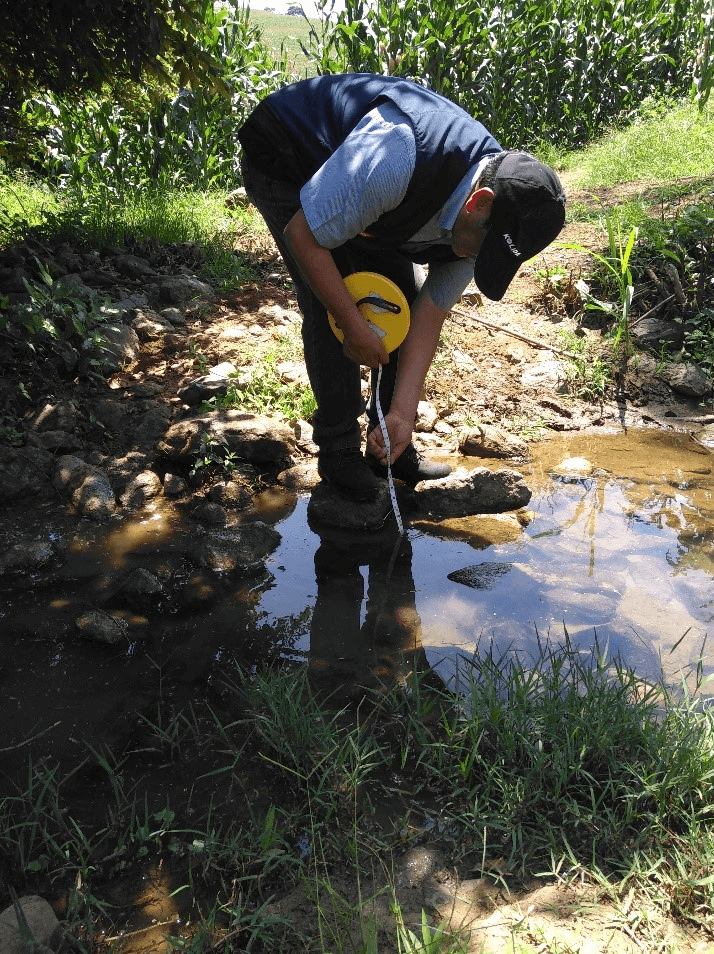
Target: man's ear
x=480 y=200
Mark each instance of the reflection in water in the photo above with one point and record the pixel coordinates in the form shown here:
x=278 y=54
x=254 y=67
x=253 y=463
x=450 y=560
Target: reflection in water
x=362 y=641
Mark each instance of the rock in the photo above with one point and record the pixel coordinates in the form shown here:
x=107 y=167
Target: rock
x=95 y=497
x=212 y=513
x=302 y=476
x=251 y=437
x=231 y=495
x=173 y=316
x=26 y=472
x=55 y=417
x=485 y=440
x=118 y=310
x=237 y=199
x=651 y=333
x=89 y=487
x=426 y=417
x=293 y=372
x=141 y=582
x=42 y=922
x=56 y=442
x=143 y=487
x=546 y=375
x=328 y=508
x=688 y=379
x=101 y=627
x=213 y=384
x=706 y=435
x=481 y=576
x=133 y=267
x=177 y=289
x=119 y=346
x=470 y=492
x=69 y=473
x=573 y=469
x=174 y=486
x=149 y=325
x=417 y=865
x=463 y=360
x=68 y=258
x=26 y=556
x=227 y=550
x=303 y=437
x=99 y=277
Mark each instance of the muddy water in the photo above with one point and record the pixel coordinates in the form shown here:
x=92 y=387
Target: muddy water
x=625 y=556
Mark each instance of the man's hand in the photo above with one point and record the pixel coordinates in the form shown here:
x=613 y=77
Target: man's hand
x=360 y=344
x=364 y=346
x=400 y=435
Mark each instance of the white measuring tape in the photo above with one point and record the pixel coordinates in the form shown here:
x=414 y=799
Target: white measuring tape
x=385 y=435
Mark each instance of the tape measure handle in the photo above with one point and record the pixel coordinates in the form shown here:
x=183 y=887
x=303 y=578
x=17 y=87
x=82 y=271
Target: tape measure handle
x=378 y=302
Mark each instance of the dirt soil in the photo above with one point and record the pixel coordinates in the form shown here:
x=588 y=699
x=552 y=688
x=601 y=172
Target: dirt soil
x=477 y=376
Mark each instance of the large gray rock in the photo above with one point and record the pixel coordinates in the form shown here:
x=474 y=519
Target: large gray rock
x=44 y=928
x=653 y=333
x=88 y=486
x=328 y=508
x=251 y=437
x=119 y=346
x=143 y=487
x=213 y=384
x=177 y=289
x=485 y=440
x=26 y=472
x=228 y=550
x=101 y=627
x=688 y=379
x=25 y=557
x=464 y=492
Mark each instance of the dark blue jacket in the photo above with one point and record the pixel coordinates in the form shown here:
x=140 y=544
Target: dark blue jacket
x=295 y=130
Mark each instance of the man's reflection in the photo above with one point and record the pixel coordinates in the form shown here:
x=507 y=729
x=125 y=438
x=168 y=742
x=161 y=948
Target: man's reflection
x=359 y=643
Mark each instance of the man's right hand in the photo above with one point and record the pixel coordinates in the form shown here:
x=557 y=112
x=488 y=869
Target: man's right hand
x=364 y=347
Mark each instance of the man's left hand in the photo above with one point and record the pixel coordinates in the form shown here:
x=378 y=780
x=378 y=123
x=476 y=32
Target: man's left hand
x=400 y=434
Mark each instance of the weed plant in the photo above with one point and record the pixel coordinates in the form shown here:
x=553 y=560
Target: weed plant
x=265 y=392
x=568 y=762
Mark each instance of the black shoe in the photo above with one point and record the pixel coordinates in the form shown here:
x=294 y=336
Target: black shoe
x=411 y=467
x=348 y=471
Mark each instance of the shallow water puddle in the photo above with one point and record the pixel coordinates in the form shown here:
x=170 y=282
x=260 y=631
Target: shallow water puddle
x=625 y=556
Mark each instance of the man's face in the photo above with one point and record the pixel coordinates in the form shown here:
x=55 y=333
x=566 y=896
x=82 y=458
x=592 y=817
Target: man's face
x=471 y=225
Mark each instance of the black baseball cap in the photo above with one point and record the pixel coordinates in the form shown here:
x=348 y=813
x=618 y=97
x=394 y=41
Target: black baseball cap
x=528 y=212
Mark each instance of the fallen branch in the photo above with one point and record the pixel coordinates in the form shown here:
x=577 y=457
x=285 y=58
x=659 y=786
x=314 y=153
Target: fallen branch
x=517 y=334
x=678 y=291
x=653 y=310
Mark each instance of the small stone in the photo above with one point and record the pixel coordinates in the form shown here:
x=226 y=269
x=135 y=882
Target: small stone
x=101 y=627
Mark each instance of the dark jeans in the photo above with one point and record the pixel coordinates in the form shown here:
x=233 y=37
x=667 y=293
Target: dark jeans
x=335 y=380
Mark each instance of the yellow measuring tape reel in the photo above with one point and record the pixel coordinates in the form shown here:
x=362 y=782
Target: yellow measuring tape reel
x=382 y=305
x=385 y=309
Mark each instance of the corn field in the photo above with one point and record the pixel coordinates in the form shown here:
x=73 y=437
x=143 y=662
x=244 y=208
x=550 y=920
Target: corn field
x=557 y=71
x=536 y=72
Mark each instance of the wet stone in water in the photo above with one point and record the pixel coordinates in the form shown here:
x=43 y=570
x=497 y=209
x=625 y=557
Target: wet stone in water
x=481 y=576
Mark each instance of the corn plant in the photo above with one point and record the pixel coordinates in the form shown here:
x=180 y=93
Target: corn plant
x=185 y=138
x=554 y=71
